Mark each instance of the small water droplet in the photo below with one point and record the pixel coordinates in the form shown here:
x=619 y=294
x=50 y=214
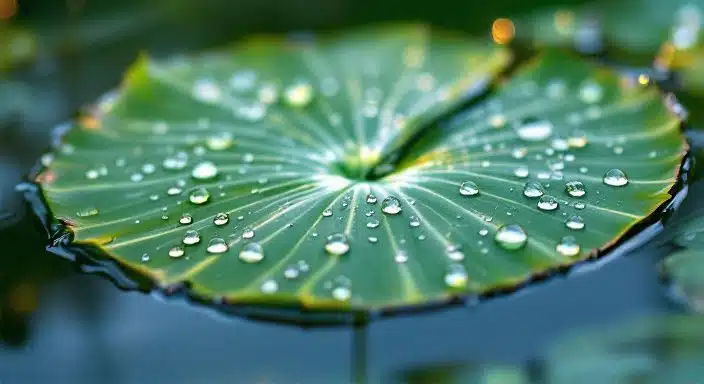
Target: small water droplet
x=291 y=273
x=511 y=237
x=219 y=141
x=371 y=199
x=456 y=276
x=337 y=244
x=206 y=90
x=414 y=222
x=533 y=129
x=591 y=92
x=174 y=163
x=92 y=174
x=575 y=188
x=469 y=188
x=391 y=205
x=185 y=219
x=87 y=212
x=575 y=222
x=191 y=237
x=145 y=257
x=248 y=233
x=483 y=232
x=176 y=252
x=204 y=171
x=173 y=191
x=221 y=219
x=454 y=252
x=401 y=257
x=299 y=94
x=533 y=189
x=373 y=239
x=199 y=196
x=252 y=253
x=217 y=245
x=579 y=205
x=341 y=293
x=521 y=172
x=327 y=212
x=615 y=178
x=547 y=203
x=373 y=223
x=269 y=286
x=568 y=246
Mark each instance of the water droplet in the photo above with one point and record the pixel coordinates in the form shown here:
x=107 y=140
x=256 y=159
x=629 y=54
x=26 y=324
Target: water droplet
x=391 y=205
x=568 y=246
x=204 y=171
x=92 y=174
x=579 y=205
x=521 y=172
x=511 y=237
x=533 y=129
x=207 y=91
x=483 y=232
x=185 y=219
x=87 y=212
x=327 y=212
x=252 y=253
x=401 y=257
x=145 y=257
x=337 y=244
x=373 y=223
x=176 y=252
x=533 y=189
x=469 y=188
x=173 y=191
x=373 y=239
x=414 y=222
x=148 y=168
x=191 y=237
x=174 y=163
x=299 y=94
x=591 y=92
x=217 y=245
x=371 y=199
x=575 y=222
x=615 y=178
x=341 y=293
x=454 y=252
x=221 y=219
x=269 y=286
x=291 y=273
x=248 y=233
x=547 y=203
x=219 y=141
x=199 y=196
x=575 y=188
x=456 y=276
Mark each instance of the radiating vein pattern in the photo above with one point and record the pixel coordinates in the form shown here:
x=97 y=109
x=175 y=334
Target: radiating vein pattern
x=246 y=173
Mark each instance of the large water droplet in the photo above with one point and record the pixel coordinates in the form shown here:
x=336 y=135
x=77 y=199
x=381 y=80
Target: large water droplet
x=391 y=205
x=199 y=196
x=337 y=244
x=568 y=246
x=217 y=245
x=511 y=237
x=191 y=237
x=221 y=219
x=456 y=276
x=204 y=171
x=176 y=252
x=252 y=253
x=615 y=178
x=299 y=94
x=547 y=203
x=533 y=129
x=533 y=189
x=575 y=222
x=575 y=188
x=469 y=188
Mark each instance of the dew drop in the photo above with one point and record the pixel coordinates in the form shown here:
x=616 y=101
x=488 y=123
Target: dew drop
x=414 y=222
x=191 y=237
x=174 y=163
x=469 y=188
x=454 y=252
x=391 y=205
x=533 y=189
x=219 y=142
x=371 y=199
x=341 y=293
x=511 y=237
x=252 y=253
x=185 y=219
x=533 y=129
x=206 y=90
x=568 y=246
x=299 y=94
x=372 y=223
x=221 y=219
x=579 y=205
x=87 y=212
x=456 y=276
x=483 y=232
x=199 y=196
x=615 y=178
x=291 y=273
x=217 y=245
x=401 y=257
x=145 y=257
x=269 y=286
x=521 y=172
x=176 y=252
x=248 y=233
x=92 y=174
x=327 y=212
x=173 y=191
x=337 y=244
x=204 y=171
x=373 y=239
x=547 y=203
x=575 y=222
x=591 y=92
x=575 y=188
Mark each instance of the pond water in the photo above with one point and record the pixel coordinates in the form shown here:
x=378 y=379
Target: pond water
x=82 y=329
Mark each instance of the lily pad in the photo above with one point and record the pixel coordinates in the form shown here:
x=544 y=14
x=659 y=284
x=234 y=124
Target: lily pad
x=314 y=173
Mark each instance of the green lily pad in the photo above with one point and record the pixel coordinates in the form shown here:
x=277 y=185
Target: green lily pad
x=465 y=374
x=685 y=270
x=313 y=173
